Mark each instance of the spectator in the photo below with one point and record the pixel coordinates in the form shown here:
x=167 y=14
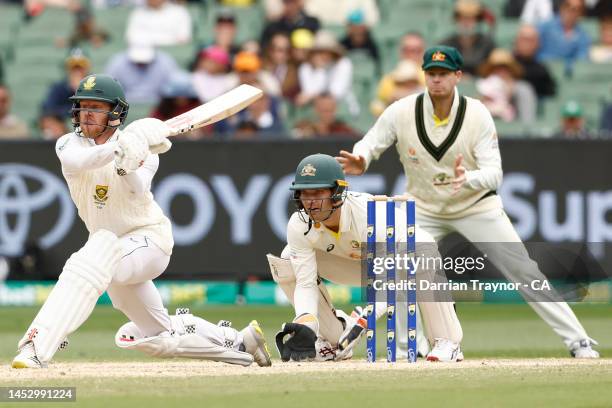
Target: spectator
x=530 y=11
x=11 y=127
x=302 y=41
x=178 y=96
x=505 y=94
x=412 y=48
x=52 y=126
x=337 y=12
x=359 y=39
x=406 y=81
x=525 y=48
x=572 y=122
x=326 y=123
x=159 y=23
x=292 y=18
x=225 y=33
x=601 y=53
x=210 y=78
x=142 y=71
x=264 y=113
x=327 y=71
x=562 y=37
x=56 y=103
x=86 y=32
x=473 y=45
x=247 y=70
x=606 y=120
x=278 y=62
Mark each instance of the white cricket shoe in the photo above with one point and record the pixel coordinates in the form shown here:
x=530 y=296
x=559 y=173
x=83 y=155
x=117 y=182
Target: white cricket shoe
x=445 y=351
x=27 y=357
x=255 y=344
x=583 y=349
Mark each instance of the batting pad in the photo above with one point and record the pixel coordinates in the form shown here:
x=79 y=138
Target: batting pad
x=85 y=276
x=187 y=345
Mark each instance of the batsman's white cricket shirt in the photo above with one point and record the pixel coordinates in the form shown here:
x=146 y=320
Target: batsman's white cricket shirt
x=105 y=200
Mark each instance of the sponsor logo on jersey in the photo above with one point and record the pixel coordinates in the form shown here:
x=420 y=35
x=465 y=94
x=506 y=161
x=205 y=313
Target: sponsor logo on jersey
x=330 y=247
x=442 y=179
x=355 y=244
x=412 y=155
x=309 y=170
x=101 y=196
x=90 y=83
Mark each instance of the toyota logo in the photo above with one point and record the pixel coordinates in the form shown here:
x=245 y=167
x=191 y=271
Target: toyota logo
x=18 y=203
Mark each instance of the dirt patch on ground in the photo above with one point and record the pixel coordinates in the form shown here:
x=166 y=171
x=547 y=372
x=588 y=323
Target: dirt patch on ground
x=191 y=368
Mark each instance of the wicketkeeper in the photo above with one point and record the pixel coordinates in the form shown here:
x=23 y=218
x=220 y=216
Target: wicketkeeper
x=109 y=175
x=324 y=241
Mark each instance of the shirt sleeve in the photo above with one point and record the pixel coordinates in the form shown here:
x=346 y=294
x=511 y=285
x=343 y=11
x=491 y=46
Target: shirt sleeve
x=379 y=137
x=75 y=158
x=140 y=180
x=489 y=174
x=304 y=263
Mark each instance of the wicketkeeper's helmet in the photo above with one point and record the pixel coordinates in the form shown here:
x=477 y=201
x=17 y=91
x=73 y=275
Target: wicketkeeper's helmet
x=319 y=171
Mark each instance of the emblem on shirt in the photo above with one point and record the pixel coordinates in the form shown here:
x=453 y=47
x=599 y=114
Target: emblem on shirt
x=355 y=244
x=438 y=56
x=308 y=170
x=330 y=247
x=101 y=196
x=90 y=83
x=412 y=155
x=442 y=179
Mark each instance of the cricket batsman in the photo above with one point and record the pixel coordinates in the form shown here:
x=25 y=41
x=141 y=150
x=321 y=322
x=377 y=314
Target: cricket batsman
x=109 y=173
x=324 y=241
x=447 y=144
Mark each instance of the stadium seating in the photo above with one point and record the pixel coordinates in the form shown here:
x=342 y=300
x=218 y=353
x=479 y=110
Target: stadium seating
x=33 y=61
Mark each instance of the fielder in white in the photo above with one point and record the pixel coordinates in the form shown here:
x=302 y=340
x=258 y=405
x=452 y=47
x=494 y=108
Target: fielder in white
x=324 y=240
x=447 y=144
x=109 y=175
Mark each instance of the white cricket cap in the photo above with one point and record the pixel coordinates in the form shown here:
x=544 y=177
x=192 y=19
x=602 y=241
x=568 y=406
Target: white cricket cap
x=141 y=54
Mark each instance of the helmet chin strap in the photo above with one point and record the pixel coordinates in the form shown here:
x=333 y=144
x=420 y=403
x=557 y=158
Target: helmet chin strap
x=331 y=212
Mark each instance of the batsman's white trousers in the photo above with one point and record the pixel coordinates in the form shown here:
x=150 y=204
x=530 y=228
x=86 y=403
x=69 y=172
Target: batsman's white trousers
x=132 y=290
x=494 y=226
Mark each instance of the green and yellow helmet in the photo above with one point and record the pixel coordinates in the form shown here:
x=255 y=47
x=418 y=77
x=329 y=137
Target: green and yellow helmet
x=101 y=88
x=319 y=171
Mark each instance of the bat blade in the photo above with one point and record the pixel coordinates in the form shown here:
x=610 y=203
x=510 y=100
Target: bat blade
x=215 y=110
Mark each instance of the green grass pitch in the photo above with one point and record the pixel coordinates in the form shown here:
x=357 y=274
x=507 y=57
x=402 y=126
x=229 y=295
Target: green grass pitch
x=508 y=333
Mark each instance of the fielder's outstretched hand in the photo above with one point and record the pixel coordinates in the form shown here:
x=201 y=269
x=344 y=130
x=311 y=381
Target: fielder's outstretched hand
x=352 y=164
x=460 y=178
x=299 y=346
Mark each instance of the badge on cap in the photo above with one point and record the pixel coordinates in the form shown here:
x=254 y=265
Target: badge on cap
x=438 y=56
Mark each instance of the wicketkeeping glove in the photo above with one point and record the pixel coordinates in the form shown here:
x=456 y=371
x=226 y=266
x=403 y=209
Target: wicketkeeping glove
x=299 y=346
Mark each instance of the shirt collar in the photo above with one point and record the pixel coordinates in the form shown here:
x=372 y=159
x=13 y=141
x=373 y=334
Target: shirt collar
x=428 y=106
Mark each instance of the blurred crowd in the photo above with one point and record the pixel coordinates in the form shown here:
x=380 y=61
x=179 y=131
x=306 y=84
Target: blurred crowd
x=307 y=72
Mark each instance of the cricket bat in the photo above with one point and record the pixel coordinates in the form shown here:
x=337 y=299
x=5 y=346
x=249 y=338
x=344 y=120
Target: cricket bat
x=217 y=109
